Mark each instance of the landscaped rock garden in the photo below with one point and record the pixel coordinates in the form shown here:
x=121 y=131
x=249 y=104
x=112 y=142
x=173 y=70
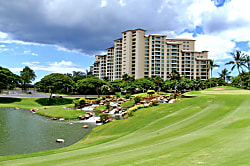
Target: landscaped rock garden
x=106 y=109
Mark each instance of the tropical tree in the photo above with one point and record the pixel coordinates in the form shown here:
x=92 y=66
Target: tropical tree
x=127 y=78
x=8 y=79
x=105 y=89
x=106 y=78
x=224 y=74
x=246 y=59
x=237 y=62
x=27 y=75
x=144 y=84
x=174 y=75
x=90 y=85
x=158 y=80
x=56 y=83
x=211 y=66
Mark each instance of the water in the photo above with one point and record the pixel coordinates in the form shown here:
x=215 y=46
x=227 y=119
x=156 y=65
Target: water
x=23 y=132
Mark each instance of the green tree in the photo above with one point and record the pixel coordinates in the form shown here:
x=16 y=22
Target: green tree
x=105 y=89
x=144 y=84
x=246 y=59
x=8 y=80
x=27 y=75
x=237 y=62
x=56 y=83
x=224 y=73
x=90 y=85
x=175 y=76
x=211 y=66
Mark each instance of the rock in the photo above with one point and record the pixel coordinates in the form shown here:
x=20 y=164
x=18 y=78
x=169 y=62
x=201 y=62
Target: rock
x=17 y=108
x=53 y=118
x=70 y=123
x=86 y=116
x=98 y=121
x=61 y=119
x=60 y=140
x=85 y=126
x=45 y=107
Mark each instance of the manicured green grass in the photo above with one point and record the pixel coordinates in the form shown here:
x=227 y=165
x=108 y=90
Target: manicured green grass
x=210 y=129
x=99 y=108
x=41 y=103
x=128 y=104
x=59 y=112
x=146 y=95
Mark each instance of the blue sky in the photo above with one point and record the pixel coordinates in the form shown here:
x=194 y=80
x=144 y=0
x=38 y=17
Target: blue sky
x=63 y=36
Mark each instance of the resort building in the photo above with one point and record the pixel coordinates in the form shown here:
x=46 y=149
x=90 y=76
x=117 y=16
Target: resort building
x=141 y=55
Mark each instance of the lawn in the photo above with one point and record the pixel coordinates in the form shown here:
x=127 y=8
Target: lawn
x=210 y=129
x=128 y=104
x=44 y=108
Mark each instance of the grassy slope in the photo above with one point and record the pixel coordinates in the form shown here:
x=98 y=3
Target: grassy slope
x=206 y=130
x=52 y=111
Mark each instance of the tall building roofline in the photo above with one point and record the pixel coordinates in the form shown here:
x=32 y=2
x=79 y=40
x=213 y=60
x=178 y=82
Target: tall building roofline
x=118 y=39
x=179 y=39
x=134 y=30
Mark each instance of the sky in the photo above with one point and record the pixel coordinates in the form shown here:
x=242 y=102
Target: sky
x=63 y=36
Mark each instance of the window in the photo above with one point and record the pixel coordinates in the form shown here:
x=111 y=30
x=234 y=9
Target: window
x=146 y=40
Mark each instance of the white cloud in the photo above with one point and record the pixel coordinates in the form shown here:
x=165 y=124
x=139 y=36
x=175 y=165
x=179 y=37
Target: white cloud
x=3 y=50
x=62 y=63
x=218 y=47
x=103 y=3
x=3 y=35
x=2 y=45
x=53 y=67
x=30 y=63
x=28 y=52
x=122 y=3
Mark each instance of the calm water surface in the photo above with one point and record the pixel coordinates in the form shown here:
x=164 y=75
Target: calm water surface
x=24 y=132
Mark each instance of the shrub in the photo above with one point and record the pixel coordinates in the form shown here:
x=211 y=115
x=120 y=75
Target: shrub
x=117 y=94
x=107 y=105
x=98 y=100
x=81 y=101
x=54 y=101
x=150 y=92
x=137 y=99
x=104 y=117
x=150 y=104
x=127 y=96
x=155 y=102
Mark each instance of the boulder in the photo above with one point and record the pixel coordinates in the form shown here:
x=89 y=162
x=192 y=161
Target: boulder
x=85 y=126
x=60 y=140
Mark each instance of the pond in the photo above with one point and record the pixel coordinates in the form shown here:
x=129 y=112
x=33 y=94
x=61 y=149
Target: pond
x=23 y=132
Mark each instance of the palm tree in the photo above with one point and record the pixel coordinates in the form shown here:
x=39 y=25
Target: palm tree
x=175 y=75
x=224 y=73
x=247 y=62
x=211 y=66
x=238 y=62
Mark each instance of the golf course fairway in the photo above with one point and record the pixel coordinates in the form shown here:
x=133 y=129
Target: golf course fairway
x=210 y=129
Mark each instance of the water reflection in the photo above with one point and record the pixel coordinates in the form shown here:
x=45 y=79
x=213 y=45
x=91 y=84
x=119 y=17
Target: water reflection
x=24 y=132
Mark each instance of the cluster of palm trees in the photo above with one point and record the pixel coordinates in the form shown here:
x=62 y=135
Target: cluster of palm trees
x=240 y=61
